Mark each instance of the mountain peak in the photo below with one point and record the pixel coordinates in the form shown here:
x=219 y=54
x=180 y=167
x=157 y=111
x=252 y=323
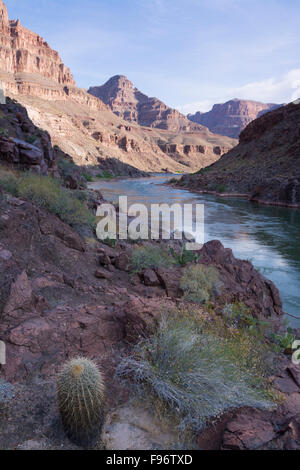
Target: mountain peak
x=132 y=105
x=232 y=117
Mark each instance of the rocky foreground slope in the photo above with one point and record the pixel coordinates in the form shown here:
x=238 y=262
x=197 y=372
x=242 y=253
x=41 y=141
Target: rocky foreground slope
x=264 y=167
x=62 y=296
x=82 y=125
x=232 y=117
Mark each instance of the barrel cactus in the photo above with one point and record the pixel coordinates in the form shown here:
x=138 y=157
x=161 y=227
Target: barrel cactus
x=81 y=396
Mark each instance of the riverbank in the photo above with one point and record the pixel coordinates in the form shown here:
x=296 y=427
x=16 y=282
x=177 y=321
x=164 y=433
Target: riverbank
x=263 y=167
x=249 y=197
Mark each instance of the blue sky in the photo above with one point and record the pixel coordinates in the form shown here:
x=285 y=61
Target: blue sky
x=188 y=53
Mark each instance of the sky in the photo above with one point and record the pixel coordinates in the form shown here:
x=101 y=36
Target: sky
x=188 y=53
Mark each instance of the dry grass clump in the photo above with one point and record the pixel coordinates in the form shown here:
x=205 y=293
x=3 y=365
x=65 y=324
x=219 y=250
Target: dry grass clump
x=191 y=369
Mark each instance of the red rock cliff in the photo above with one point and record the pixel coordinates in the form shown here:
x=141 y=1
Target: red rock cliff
x=22 y=50
x=132 y=105
x=232 y=117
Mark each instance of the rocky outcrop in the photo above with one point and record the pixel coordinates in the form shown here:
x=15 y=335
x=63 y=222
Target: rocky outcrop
x=232 y=117
x=22 y=144
x=264 y=167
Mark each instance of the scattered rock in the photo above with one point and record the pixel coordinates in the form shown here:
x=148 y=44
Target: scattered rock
x=150 y=278
x=134 y=428
x=103 y=274
x=248 y=432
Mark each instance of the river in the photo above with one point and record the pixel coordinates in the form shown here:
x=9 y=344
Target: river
x=268 y=236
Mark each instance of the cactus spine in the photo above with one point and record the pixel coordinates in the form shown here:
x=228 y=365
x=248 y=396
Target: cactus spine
x=81 y=395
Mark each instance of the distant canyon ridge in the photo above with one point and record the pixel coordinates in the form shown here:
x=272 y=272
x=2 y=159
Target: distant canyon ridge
x=232 y=117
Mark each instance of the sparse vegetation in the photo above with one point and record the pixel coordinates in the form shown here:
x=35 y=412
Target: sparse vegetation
x=195 y=369
x=105 y=175
x=221 y=188
x=173 y=181
x=184 y=256
x=239 y=315
x=87 y=177
x=198 y=282
x=30 y=139
x=9 y=182
x=284 y=341
x=46 y=192
x=4 y=132
x=149 y=256
x=202 y=171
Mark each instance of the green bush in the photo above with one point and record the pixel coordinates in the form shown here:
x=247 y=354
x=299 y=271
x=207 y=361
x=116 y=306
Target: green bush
x=4 y=132
x=30 y=139
x=9 y=182
x=184 y=256
x=149 y=256
x=284 y=341
x=198 y=283
x=66 y=167
x=221 y=188
x=239 y=315
x=192 y=373
x=46 y=192
x=105 y=175
x=87 y=177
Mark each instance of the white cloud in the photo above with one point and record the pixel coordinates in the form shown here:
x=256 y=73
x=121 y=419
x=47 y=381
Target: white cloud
x=192 y=108
x=271 y=90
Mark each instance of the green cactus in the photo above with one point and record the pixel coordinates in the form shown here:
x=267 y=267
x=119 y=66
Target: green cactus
x=81 y=397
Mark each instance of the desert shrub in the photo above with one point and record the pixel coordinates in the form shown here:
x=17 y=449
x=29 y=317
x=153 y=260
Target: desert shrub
x=9 y=182
x=239 y=315
x=173 y=181
x=150 y=256
x=105 y=174
x=4 y=132
x=284 y=341
x=221 y=188
x=87 y=177
x=202 y=171
x=184 y=256
x=66 y=167
x=191 y=372
x=198 y=282
x=30 y=139
x=46 y=192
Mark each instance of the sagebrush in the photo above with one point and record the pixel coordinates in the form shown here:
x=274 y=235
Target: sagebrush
x=193 y=373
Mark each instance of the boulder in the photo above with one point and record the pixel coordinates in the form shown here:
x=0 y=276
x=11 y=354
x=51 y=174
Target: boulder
x=150 y=278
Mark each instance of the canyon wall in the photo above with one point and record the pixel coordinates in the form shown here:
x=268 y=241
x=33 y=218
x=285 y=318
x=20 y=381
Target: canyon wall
x=232 y=117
